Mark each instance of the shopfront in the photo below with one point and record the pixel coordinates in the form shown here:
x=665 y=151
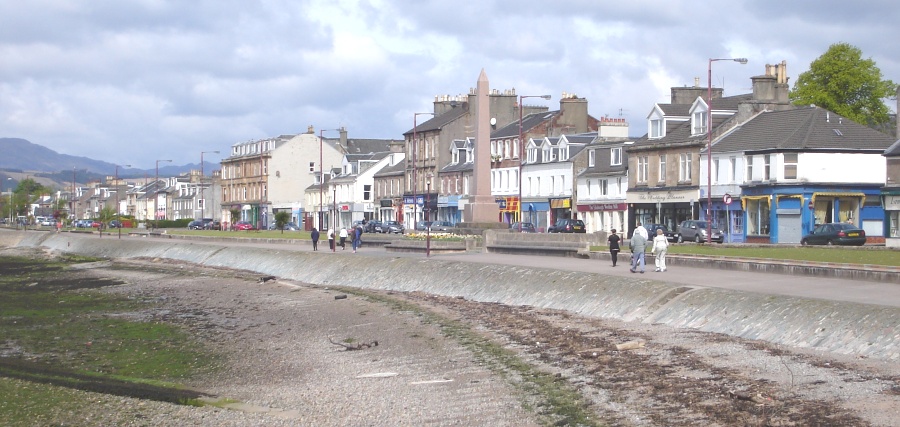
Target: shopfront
x=560 y=208
x=669 y=208
x=603 y=216
x=509 y=208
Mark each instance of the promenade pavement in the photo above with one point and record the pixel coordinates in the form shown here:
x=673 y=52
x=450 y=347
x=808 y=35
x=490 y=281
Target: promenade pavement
x=832 y=289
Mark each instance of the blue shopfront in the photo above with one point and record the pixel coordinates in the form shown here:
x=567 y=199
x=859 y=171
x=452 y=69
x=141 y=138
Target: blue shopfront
x=786 y=214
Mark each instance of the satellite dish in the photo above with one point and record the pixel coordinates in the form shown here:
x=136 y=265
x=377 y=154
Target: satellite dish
x=493 y=121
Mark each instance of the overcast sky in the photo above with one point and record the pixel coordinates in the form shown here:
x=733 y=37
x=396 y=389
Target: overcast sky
x=134 y=81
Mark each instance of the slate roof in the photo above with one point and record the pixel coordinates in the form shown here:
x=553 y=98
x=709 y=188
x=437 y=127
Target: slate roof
x=366 y=146
x=438 y=122
x=528 y=122
x=803 y=129
x=893 y=150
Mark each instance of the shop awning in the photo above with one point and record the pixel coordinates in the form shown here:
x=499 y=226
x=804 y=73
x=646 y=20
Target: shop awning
x=745 y=199
x=778 y=198
x=862 y=196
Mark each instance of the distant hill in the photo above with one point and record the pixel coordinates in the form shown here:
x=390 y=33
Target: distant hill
x=21 y=155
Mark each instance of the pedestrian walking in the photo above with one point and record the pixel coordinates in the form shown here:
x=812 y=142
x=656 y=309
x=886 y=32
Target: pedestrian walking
x=613 y=241
x=331 y=239
x=314 y=235
x=643 y=231
x=660 y=248
x=638 y=245
x=343 y=236
x=357 y=238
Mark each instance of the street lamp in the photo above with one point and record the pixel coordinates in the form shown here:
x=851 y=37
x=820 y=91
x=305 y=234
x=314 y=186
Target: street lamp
x=741 y=61
x=334 y=215
x=522 y=154
x=156 y=188
x=202 y=197
x=321 y=214
x=10 y=202
x=118 y=222
x=428 y=215
x=415 y=189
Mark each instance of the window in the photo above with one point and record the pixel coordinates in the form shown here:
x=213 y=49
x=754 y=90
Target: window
x=592 y=158
x=767 y=167
x=469 y=157
x=758 y=217
x=548 y=154
x=312 y=166
x=699 y=123
x=532 y=155
x=732 y=161
x=642 y=169
x=604 y=187
x=506 y=149
x=615 y=155
x=715 y=171
x=656 y=128
x=662 y=168
x=455 y=156
x=684 y=167
x=563 y=154
x=790 y=165
x=494 y=150
x=749 y=161
x=515 y=149
x=367 y=192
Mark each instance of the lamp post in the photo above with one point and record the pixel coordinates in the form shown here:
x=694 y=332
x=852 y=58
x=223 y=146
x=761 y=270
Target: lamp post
x=72 y=211
x=334 y=215
x=709 y=142
x=156 y=189
x=10 y=201
x=522 y=154
x=427 y=215
x=321 y=214
x=202 y=197
x=118 y=222
x=415 y=149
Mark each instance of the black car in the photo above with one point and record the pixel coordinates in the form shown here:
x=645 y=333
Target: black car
x=196 y=224
x=115 y=224
x=835 y=233
x=522 y=227
x=212 y=225
x=373 y=226
x=568 y=226
x=651 y=232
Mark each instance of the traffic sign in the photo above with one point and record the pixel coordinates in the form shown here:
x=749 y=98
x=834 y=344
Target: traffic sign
x=727 y=199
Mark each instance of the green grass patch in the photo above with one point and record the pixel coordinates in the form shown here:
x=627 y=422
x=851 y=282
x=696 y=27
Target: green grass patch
x=60 y=331
x=552 y=398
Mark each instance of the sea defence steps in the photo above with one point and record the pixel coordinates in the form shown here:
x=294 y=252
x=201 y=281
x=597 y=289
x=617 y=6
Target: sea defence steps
x=831 y=326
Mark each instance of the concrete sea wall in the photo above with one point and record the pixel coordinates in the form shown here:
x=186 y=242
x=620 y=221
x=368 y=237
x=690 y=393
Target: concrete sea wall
x=839 y=327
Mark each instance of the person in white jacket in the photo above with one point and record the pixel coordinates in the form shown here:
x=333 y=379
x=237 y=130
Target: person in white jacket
x=660 y=247
x=642 y=231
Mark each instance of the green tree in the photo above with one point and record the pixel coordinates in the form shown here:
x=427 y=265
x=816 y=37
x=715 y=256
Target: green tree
x=106 y=215
x=842 y=81
x=282 y=218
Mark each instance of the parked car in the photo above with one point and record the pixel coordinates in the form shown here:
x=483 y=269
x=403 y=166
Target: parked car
x=651 y=232
x=392 y=227
x=244 y=225
x=567 y=226
x=441 y=226
x=196 y=224
x=422 y=225
x=693 y=230
x=115 y=224
x=48 y=222
x=288 y=226
x=213 y=225
x=373 y=226
x=523 y=227
x=835 y=233
x=83 y=223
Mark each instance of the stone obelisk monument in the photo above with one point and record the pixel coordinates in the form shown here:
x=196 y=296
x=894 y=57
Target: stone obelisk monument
x=482 y=209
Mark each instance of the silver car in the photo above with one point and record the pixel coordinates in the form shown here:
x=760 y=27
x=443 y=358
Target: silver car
x=693 y=230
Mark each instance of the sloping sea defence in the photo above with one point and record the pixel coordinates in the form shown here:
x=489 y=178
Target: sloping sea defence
x=838 y=327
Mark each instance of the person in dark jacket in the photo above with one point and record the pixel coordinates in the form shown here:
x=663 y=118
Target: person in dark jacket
x=314 y=234
x=613 y=241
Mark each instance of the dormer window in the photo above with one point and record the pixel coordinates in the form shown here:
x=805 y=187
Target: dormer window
x=455 y=156
x=469 y=157
x=656 y=128
x=548 y=154
x=532 y=155
x=563 y=153
x=699 y=123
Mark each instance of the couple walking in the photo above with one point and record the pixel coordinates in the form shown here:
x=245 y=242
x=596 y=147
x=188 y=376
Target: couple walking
x=638 y=245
